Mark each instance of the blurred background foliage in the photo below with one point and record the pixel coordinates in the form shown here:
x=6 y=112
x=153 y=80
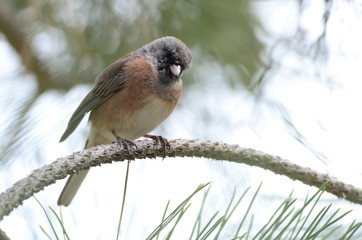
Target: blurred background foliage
x=65 y=43
x=86 y=36
x=62 y=44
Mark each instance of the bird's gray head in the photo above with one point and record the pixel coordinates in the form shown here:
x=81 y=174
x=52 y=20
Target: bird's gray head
x=170 y=57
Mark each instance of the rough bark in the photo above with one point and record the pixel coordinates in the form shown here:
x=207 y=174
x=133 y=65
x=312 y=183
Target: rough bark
x=62 y=167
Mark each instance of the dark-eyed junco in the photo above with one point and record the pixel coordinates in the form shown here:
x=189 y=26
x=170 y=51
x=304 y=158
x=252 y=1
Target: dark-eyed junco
x=131 y=98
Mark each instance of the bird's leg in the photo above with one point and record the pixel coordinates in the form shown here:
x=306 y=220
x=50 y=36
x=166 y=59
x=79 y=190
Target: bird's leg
x=160 y=140
x=127 y=144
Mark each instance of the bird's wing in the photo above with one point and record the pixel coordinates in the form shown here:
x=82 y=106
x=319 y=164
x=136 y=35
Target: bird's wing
x=108 y=83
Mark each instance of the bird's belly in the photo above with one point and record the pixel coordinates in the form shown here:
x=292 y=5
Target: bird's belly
x=134 y=124
x=146 y=119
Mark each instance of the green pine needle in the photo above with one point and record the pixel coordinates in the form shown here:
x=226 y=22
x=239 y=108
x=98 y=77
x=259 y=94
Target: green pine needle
x=174 y=213
x=46 y=234
x=163 y=217
x=50 y=222
x=207 y=225
x=123 y=200
x=287 y=222
x=60 y=220
x=198 y=219
x=213 y=228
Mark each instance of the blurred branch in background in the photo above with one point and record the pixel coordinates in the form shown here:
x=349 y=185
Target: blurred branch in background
x=317 y=48
x=14 y=31
x=306 y=41
x=297 y=135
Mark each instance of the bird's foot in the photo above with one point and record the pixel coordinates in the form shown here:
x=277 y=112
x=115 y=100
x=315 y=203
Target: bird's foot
x=124 y=143
x=159 y=140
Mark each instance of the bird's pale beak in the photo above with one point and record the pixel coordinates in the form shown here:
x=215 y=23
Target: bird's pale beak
x=175 y=69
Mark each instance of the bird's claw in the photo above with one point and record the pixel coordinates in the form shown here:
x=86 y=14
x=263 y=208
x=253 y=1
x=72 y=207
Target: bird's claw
x=159 y=140
x=127 y=144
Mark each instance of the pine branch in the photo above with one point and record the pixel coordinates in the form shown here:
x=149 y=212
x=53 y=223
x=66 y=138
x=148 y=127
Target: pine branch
x=3 y=235
x=62 y=167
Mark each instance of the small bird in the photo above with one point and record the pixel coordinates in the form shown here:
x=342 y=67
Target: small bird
x=131 y=97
